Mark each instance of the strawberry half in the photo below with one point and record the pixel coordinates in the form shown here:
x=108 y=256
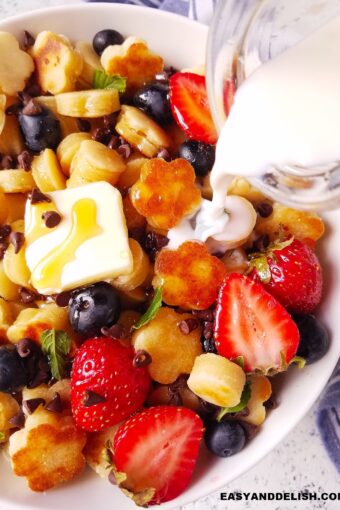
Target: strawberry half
x=157 y=450
x=292 y=273
x=105 y=386
x=250 y=323
x=190 y=108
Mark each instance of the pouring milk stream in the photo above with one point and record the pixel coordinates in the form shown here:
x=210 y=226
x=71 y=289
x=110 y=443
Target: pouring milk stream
x=286 y=113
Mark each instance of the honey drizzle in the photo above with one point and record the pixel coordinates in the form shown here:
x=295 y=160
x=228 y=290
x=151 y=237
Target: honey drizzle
x=48 y=272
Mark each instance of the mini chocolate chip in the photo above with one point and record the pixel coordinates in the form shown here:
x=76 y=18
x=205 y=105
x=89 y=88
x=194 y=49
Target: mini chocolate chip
x=83 y=125
x=32 y=404
x=55 y=405
x=153 y=243
x=115 y=331
x=149 y=293
x=5 y=230
x=271 y=180
x=206 y=315
x=100 y=135
x=27 y=296
x=24 y=97
x=18 y=420
x=124 y=150
x=28 y=40
x=110 y=122
x=37 y=197
x=271 y=403
x=164 y=154
x=32 y=108
x=250 y=429
x=51 y=218
x=92 y=398
x=8 y=162
x=25 y=347
x=25 y=160
x=113 y=142
x=141 y=359
x=17 y=239
x=187 y=326
x=208 y=330
x=3 y=248
x=264 y=209
x=33 y=89
x=14 y=109
x=63 y=299
x=137 y=233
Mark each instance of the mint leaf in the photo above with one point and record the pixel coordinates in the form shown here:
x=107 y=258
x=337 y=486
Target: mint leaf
x=246 y=393
x=151 y=312
x=2 y=436
x=56 y=345
x=101 y=80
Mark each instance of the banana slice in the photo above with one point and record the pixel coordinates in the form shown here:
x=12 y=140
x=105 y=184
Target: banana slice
x=47 y=173
x=88 y=103
x=67 y=149
x=16 y=181
x=91 y=62
x=95 y=162
x=141 y=132
x=134 y=60
x=217 y=380
x=58 y=65
x=16 y=66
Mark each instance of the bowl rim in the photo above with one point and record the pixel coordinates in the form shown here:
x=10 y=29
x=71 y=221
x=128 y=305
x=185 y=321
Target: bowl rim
x=319 y=385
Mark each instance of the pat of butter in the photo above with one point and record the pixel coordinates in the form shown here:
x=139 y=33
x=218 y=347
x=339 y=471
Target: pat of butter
x=90 y=243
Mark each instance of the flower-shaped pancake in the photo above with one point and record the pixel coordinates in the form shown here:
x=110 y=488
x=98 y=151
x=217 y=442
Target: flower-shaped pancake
x=48 y=451
x=165 y=192
x=133 y=60
x=190 y=276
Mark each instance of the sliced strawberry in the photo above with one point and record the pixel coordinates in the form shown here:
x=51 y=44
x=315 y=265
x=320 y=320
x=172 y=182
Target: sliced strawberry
x=190 y=108
x=105 y=386
x=293 y=275
x=157 y=450
x=252 y=324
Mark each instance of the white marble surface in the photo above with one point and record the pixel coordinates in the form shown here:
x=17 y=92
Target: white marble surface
x=298 y=463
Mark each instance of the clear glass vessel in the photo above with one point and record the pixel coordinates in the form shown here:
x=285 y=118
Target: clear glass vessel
x=245 y=34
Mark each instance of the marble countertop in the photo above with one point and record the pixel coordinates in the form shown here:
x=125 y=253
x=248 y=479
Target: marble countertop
x=298 y=463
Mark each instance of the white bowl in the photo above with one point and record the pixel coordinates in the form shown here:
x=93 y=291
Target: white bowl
x=182 y=43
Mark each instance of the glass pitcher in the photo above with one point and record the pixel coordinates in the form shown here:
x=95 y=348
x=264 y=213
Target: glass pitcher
x=245 y=34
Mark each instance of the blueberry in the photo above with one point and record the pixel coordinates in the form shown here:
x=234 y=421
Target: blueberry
x=93 y=307
x=314 y=338
x=153 y=99
x=12 y=370
x=200 y=155
x=106 y=38
x=225 y=438
x=40 y=131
